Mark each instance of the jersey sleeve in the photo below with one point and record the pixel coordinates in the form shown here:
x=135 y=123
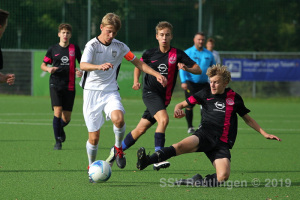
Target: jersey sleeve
x=241 y=108
x=88 y=53
x=78 y=53
x=48 y=57
x=184 y=58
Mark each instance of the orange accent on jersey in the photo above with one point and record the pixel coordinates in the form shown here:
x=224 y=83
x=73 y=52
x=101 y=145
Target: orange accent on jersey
x=129 y=56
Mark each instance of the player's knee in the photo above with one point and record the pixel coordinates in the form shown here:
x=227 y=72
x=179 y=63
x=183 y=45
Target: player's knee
x=163 y=121
x=223 y=176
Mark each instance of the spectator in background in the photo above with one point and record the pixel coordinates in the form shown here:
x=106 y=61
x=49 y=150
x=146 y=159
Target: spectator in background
x=63 y=57
x=4 y=78
x=192 y=83
x=210 y=44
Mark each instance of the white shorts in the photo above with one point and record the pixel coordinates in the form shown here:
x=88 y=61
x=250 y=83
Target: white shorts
x=95 y=102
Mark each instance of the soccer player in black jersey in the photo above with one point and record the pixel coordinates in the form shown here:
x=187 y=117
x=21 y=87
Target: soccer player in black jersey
x=217 y=133
x=167 y=61
x=4 y=78
x=62 y=57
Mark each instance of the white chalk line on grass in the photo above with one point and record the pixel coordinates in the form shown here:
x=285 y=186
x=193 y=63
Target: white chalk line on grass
x=109 y=124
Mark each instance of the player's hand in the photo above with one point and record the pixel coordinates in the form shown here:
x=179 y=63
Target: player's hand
x=182 y=66
x=105 y=66
x=51 y=70
x=10 y=79
x=136 y=86
x=272 y=137
x=162 y=80
x=179 y=113
x=184 y=86
x=79 y=73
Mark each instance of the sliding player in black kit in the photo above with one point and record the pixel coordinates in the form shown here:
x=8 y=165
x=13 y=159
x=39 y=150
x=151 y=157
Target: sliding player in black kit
x=167 y=61
x=62 y=57
x=217 y=134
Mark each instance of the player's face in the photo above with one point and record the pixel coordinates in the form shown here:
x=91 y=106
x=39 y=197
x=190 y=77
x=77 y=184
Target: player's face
x=64 y=36
x=108 y=33
x=164 y=37
x=199 y=41
x=2 y=29
x=217 y=84
x=209 y=46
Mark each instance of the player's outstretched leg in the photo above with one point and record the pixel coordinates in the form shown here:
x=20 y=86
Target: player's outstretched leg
x=190 y=181
x=143 y=159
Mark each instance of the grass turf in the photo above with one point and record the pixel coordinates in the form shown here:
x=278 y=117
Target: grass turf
x=31 y=169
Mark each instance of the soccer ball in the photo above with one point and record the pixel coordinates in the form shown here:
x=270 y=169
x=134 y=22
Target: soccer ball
x=99 y=171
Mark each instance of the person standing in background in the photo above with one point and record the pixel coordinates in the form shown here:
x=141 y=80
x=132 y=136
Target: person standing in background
x=210 y=45
x=4 y=78
x=63 y=57
x=192 y=83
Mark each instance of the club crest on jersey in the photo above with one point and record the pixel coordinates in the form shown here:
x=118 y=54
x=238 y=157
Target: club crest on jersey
x=229 y=101
x=172 y=59
x=114 y=53
x=72 y=53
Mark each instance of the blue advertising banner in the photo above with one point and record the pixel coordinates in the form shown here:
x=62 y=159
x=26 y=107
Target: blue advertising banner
x=264 y=69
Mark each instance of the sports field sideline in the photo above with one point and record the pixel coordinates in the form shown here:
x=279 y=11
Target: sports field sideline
x=31 y=169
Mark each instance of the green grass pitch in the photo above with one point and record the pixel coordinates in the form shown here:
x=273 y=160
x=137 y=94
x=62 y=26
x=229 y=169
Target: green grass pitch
x=31 y=169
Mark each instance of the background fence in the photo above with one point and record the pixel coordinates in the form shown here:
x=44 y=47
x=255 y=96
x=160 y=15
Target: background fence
x=243 y=29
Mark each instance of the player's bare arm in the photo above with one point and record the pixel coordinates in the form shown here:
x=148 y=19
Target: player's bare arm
x=136 y=76
x=194 y=70
x=145 y=68
x=50 y=70
x=184 y=86
x=91 y=67
x=253 y=124
x=178 y=110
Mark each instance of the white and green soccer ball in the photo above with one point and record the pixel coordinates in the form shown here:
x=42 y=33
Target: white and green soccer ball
x=99 y=171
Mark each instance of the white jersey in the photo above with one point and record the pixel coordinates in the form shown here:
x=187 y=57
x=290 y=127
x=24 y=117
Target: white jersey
x=97 y=53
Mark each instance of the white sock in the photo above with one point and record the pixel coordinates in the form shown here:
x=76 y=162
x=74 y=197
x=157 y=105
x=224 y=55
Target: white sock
x=119 y=135
x=91 y=152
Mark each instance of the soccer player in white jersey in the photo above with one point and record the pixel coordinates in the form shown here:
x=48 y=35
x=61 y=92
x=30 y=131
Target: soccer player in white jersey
x=100 y=62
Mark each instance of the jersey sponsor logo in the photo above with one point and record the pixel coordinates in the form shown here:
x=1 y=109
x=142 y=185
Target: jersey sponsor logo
x=229 y=101
x=208 y=99
x=64 y=60
x=172 y=59
x=162 y=68
x=220 y=106
x=56 y=54
x=72 y=53
x=114 y=53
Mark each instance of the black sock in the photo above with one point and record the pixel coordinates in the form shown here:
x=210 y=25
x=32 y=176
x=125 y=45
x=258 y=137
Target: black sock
x=189 y=117
x=63 y=123
x=159 y=141
x=211 y=180
x=128 y=141
x=56 y=127
x=162 y=155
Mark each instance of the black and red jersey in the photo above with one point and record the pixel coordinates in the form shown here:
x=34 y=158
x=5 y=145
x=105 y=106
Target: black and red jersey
x=219 y=113
x=65 y=59
x=1 y=58
x=166 y=65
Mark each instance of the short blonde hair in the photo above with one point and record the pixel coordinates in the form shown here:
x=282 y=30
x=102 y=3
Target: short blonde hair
x=220 y=70
x=162 y=25
x=113 y=20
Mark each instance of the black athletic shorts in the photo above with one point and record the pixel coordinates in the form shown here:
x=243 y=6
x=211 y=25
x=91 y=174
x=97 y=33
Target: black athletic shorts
x=154 y=103
x=212 y=146
x=192 y=89
x=62 y=97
